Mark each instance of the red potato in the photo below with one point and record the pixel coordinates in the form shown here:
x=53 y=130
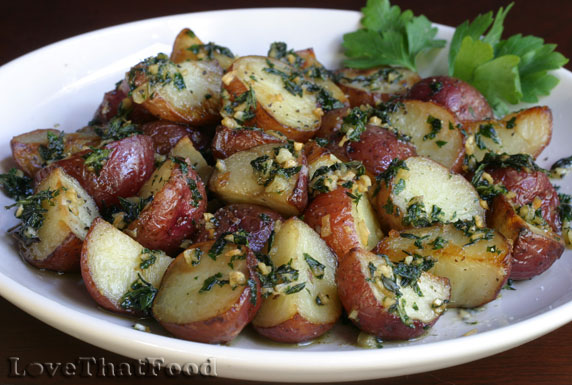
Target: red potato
x=301 y=296
x=227 y=142
x=26 y=147
x=342 y=223
x=274 y=107
x=165 y=135
x=182 y=50
x=375 y=85
x=187 y=92
x=56 y=244
x=208 y=299
x=112 y=262
x=460 y=97
x=184 y=149
x=118 y=101
x=179 y=201
x=129 y=164
x=257 y=221
x=377 y=310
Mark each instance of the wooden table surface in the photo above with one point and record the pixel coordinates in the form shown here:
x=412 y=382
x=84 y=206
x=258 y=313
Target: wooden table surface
x=25 y=26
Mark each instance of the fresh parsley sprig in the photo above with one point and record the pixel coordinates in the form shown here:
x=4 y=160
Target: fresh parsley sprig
x=389 y=37
x=505 y=71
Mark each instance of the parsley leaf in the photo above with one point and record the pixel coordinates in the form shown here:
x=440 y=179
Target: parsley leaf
x=389 y=37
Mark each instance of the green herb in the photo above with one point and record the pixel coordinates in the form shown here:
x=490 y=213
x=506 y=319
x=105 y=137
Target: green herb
x=316 y=267
x=239 y=237
x=389 y=37
x=417 y=239
x=279 y=50
x=117 y=128
x=561 y=167
x=509 y=285
x=487 y=131
x=267 y=169
x=16 y=184
x=511 y=122
x=290 y=81
x=355 y=197
x=295 y=289
x=416 y=215
x=439 y=243
x=196 y=195
x=322 y=142
x=435 y=86
x=140 y=296
x=265 y=218
x=253 y=290
x=409 y=273
x=565 y=207
x=132 y=207
x=517 y=161
x=493 y=249
x=55 y=148
x=30 y=210
x=150 y=260
x=440 y=143
x=473 y=232
x=96 y=159
x=435 y=125
x=399 y=186
x=390 y=173
x=504 y=71
x=354 y=124
x=213 y=280
x=323 y=175
x=286 y=273
x=246 y=103
x=210 y=49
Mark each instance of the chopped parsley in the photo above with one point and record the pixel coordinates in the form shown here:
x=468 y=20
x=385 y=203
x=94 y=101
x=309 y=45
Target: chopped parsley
x=354 y=123
x=139 y=297
x=117 y=128
x=96 y=159
x=316 y=267
x=55 y=148
x=213 y=280
x=30 y=210
x=148 y=258
x=435 y=125
x=209 y=49
x=16 y=184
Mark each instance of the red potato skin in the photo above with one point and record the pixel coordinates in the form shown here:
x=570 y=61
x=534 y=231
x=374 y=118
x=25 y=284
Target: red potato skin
x=130 y=164
x=294 y=330
x=170 y=217
x=228 y=141
x=223 y=327
x=338 y=205
x=246 y=217
x=529 y=185
x=165 y=135
x=299 y=197
x=266 y=121
x=110 y=106
x=372 y=317
x=65 y=258
x=458 y=96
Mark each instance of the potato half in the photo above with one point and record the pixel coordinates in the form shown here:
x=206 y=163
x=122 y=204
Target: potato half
x=302 y=300
x=476 y=261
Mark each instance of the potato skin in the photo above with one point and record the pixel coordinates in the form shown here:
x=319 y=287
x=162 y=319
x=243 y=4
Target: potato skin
x=372 y=317
x=170 y=217
x=223 y=327
x=342 y=236
x=458 y=96
x=165 y=135
x=130 y=164
x=294 y=330
x=230 y=141
x=247 y=217
x=109 y=107
x=65 y=258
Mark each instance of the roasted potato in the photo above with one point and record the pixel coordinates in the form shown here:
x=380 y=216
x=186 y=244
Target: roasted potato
x=119 y=169
x=55 y=222
x=458 y=96
x=227 y=142
x=375 y=147
x=271 y=175
x=392 y=301
x=120 y=274
x=524 y=132
x=375 y=85
x=188 y=92
x=165 y=135
x=118 y=102
x=257 y=221
x=186 y=150
x=259 y=93
x=418 y=192
x=302 y=301
x=179 y=201
x=476 y=261
x=210 y=292
x=188 y=46
x=34 y=150
x=344 y=219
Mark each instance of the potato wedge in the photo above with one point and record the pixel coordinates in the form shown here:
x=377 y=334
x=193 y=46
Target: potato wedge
x=391 y=301
x=257 y=221
x=209 y=293
x=476 y=269
x=418 y=192
x=188 y=46
x=302 y=301
x=165 y=135
x=260 y=94
x=188 y=92
x=271 y=175
x=120 y=274
x=343 y=221
x=375 y=85
x=462 y=99
x=186 y=150
x=118 y=102
x=179 y=201
x=119 y=169
x=524 y=132
x=227 y=142
x=66 y=216
x=31 y=149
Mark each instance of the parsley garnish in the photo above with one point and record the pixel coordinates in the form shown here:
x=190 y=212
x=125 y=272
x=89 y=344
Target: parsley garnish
x=140 y=296
x=316 y=267
x=96 y=159
x=31 y=212
x=149 y=260
x=213 y=280
x=55 y=148
x=16 y=184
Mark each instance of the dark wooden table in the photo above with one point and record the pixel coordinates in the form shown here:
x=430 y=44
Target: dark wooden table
x=25 y=26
